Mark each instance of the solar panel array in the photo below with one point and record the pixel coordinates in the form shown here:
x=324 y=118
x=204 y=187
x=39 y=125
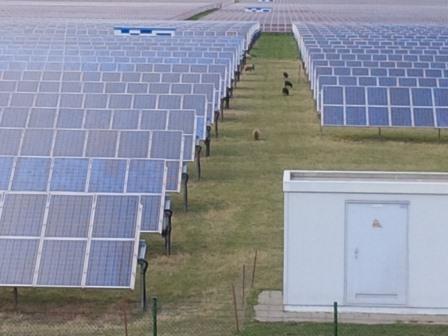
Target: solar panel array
x=285 y=12
x=377 y=75
x=95 y=131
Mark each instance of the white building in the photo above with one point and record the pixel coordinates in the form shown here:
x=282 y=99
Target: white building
x=372 y=241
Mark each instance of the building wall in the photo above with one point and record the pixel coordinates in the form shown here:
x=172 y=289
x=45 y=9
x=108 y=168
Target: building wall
x=314 y=270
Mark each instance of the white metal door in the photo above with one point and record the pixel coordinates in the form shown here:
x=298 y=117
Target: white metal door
x=376 y=253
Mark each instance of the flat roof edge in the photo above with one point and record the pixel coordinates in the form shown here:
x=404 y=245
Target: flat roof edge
x=365 y=182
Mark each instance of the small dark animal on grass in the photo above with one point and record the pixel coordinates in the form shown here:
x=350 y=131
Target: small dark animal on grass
x=249 y=67
x=285 y=91
x=256 y=133
x=285 y=75
x=288 y=84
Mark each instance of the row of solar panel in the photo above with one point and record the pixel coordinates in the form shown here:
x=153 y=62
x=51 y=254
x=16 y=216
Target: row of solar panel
x=112 y=101
x=371 y=43
x=135 y=176
x=150 y=84
x=83 y=241
x=349 y=70
x=168 y=73
x=75 y=220
x=350 y=55
x=383 y=107
x=92 y=143
x=377 y=82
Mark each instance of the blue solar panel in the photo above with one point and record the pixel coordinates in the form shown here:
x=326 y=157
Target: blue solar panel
x=125 y=119
x=422 y=97
x=101 y=144
x=441 y=97
x=37 y=142
x=356 y=116
x=134 y=144
x=18 y=261
x=22 y=215
x=399 y=97
x=333 y=95
x=110 y=263
x=442 y=117
x=31 y=174
x=69 y=216
x=333 y=115
x=10 y=141
x=70 y=118
x=114 y=216
x=61 y=263
x=355 y=95
x=6 y=164
x=401 y=116
x=424 y=117
x=107 y=176
x=69 y=143
x=146 y=176
x=69 y=175
x=378 y=116
x=150 y=214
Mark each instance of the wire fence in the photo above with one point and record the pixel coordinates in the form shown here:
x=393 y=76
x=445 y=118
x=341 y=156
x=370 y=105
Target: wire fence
x=162 y=317
x=237 y=314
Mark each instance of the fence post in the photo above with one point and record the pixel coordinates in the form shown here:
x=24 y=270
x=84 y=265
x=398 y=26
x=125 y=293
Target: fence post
x=154 y=316
x=335 y=321
x=235 y=307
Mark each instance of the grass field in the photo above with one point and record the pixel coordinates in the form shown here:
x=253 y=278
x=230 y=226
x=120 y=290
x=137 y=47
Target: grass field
x=238 y=205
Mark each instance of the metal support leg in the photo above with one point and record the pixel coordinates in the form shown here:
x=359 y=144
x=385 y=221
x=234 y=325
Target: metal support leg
x=15 y=293
x=166 y=232
x=198 y=160
x=207 y=141
x=143 y=263
x=185 y=178
x=221 y=110
x=216 y=123
x=227 y=98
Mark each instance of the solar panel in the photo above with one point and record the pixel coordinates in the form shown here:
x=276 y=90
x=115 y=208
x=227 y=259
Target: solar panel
x=375 y=75
x=91 y=138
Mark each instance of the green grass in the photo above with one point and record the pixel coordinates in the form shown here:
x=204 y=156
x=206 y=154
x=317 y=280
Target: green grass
x=276 y=47
x=201 y=15
x=325 y=329
x=238 y=205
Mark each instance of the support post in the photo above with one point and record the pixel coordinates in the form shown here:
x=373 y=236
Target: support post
x=227 y=98
x=439 y=134
x=207 y=141
x=243 y=286
x=154 y=316
x=198 y=160
x=221 y=110
x=235 y=307
x=185 y=178
x=216 y=123
x=15 y=293
x=143 y=263
x=253 y=269
x=335 y=318
x=125 y=319
x=166 y=231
